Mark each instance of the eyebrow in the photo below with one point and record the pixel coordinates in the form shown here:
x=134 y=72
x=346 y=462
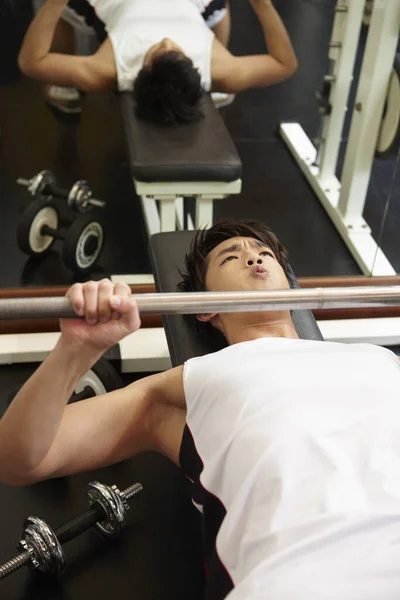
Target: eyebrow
x=237 y=247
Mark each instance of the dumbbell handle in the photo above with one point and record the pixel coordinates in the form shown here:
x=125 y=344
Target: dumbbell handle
x=47 y=230
x=79 y=524
x=68 y=531
x=23 y=181
x=59 y=192
x=52 y=190
x=90 y=517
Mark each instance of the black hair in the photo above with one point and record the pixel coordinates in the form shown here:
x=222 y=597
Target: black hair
x=169 y=91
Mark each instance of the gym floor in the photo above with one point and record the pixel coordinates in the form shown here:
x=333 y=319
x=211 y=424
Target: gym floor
x=157 y=560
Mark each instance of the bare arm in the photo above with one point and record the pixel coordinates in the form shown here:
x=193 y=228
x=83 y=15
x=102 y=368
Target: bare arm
x=237 y=73
x=43 y=437
x=88 y=73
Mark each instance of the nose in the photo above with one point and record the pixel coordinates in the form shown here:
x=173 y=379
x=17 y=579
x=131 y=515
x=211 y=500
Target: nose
x=254 y=259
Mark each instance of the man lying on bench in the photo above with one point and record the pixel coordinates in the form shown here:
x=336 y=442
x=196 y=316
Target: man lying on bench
x=167 y=51
x=292 y=445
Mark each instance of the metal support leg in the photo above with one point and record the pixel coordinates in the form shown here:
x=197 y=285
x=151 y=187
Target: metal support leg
x=180 y=213
x=204 y=212
x=168 y=214
x=151 y=216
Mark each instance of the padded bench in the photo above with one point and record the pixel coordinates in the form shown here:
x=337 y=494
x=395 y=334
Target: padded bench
x=171 y=163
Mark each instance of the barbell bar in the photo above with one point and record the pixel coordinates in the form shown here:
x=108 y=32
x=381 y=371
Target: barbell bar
x=209 y=302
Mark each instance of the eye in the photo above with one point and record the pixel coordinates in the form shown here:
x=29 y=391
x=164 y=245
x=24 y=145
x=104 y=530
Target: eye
x=228 y=258
x=268 y=253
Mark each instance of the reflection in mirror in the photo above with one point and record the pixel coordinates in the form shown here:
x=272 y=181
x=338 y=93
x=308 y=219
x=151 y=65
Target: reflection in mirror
x=88 y=142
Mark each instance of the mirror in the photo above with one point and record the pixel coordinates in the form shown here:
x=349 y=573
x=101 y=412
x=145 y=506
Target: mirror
x=91 y=146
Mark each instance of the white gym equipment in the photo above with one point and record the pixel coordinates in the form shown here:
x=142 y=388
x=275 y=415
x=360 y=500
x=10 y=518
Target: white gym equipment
x=344 y=200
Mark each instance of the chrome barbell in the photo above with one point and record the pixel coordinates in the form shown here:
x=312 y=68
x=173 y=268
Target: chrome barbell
x=209 y=302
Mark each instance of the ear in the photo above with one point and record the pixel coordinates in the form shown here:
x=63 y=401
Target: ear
x=207 y=317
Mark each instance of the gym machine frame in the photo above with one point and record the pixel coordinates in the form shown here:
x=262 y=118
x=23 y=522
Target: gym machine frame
x=344 y=201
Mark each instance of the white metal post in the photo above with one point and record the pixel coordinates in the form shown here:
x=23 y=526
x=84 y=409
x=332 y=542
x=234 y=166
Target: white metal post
x=374 y=79
x=168 y=213
x=204 y=212
x=343 y=51
x=180 y=213
x=151 y=216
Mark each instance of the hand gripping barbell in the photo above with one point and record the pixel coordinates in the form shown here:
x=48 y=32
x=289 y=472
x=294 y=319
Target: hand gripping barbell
x=79 y=198
x=41 y=547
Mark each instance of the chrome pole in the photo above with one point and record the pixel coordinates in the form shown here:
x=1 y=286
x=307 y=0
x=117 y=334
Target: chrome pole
x=209 y=302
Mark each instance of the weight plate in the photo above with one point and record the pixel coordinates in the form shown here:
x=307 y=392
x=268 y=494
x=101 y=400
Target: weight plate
x=46 y=552
x=79 y=196
x=84 y=242
x=389 y=133
x=102 y=378
x=39 y=212
x=41 y=181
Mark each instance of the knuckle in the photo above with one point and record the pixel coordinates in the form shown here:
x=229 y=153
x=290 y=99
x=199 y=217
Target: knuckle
x=75 y=289
x=105 y=284
x=126 y=288
x=91 y=286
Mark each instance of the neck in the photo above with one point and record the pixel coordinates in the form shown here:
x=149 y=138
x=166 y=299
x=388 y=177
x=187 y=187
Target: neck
x=273 y=325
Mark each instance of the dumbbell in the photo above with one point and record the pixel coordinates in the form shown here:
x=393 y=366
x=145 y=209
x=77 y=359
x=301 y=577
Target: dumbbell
x=79 y=198
x=84 y=240
x=100 y=379
x=41 y=547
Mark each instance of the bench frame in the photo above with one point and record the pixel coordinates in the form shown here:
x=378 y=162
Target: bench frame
x=169 y=213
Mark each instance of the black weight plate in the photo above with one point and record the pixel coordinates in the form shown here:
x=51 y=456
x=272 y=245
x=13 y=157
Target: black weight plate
x=84 y=242
x=39 y=212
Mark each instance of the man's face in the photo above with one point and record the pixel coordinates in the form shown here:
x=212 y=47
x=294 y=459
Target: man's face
x=166 y=45
x=243 y=263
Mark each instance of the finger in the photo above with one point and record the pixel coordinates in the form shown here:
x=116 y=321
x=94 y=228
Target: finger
x=105 y=291
x=75 y=295
x=128 y=308
x=121 y=290
x=120 y=304
x=133 y=317
x=90 y=292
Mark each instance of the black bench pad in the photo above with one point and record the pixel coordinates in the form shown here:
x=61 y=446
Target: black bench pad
x=201 y=151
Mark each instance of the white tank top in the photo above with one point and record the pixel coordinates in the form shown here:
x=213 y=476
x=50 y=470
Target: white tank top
x=300 y=443
x=133 y=26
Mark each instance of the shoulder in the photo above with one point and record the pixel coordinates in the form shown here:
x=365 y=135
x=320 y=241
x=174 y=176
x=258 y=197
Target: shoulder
x=167 y=387
x=222 y=62
x=167 y=412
